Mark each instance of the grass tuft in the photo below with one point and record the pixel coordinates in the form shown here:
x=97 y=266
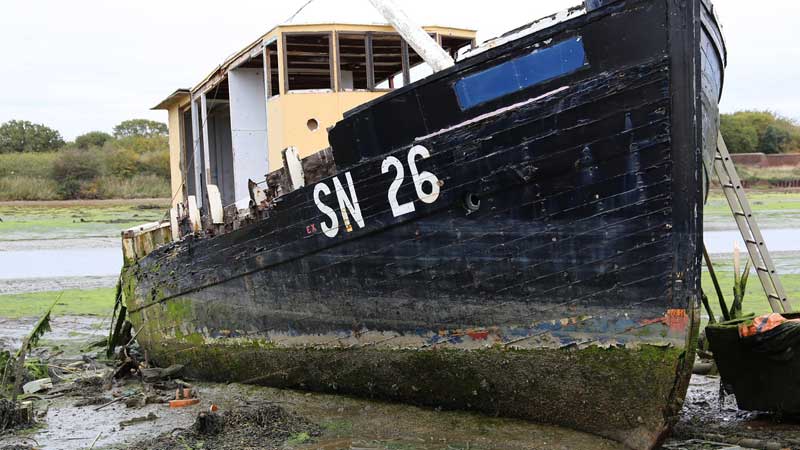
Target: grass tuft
x=18 y=187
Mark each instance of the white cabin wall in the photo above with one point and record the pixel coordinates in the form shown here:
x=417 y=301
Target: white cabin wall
x=248 y=130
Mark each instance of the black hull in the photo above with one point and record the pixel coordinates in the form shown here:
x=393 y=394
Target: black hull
x=554 y=277
x=761 y=381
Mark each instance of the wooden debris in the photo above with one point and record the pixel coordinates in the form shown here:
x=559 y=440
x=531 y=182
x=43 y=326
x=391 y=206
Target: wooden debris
x=153 y=374
x=137 y=420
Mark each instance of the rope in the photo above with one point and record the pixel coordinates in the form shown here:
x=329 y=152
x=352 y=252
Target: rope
x=299 y=11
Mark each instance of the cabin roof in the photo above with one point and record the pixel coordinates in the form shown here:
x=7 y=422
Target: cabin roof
x=179 y=96
x=249 y=51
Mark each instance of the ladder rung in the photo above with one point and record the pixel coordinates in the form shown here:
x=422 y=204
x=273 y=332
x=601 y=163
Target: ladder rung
x=744 y=218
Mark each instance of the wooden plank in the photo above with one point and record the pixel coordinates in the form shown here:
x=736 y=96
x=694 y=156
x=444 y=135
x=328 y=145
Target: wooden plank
x=370 y=62
x=406 y=65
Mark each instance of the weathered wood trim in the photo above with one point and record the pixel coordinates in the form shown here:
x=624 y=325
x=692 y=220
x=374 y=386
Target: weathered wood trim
x=267 y=73
x=333 y=61
x=294 y=167
x=370 y=61
x=284 y=70
x=206 y=146
x=197 y=152
x=184 y=150
x=406 y=63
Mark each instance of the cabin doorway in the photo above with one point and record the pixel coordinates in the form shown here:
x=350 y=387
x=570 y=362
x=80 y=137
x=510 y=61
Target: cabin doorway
x=220 y=150
x=187 y=154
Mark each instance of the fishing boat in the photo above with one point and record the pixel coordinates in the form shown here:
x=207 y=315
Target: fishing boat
x=397 y=212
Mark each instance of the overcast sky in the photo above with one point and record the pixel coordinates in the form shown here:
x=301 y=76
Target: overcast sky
x=86 y=65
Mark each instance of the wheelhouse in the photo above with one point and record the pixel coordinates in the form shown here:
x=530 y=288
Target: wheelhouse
x=278 y=97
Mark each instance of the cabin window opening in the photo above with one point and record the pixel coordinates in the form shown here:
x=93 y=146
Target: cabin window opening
x=520 y=73
x=397 y=64
x=307 y=62
x=456 y=46
x=271 y=68
x=354 y=62
x=387 y=56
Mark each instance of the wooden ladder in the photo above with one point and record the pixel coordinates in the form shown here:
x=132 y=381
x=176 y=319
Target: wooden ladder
x=751 y=234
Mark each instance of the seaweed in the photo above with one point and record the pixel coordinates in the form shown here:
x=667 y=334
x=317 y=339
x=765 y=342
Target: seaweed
x=41 y=327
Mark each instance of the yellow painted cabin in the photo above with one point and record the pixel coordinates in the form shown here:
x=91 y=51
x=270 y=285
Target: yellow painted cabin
x=236 y=123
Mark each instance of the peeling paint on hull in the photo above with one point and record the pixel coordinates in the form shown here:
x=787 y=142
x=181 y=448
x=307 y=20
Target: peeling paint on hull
x=540 y=260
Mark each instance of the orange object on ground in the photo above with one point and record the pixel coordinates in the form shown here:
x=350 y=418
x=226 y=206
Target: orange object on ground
x=214 y=408
x=183 y=403
x=762 y=324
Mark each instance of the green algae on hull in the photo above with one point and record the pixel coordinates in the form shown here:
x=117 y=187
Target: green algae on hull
x=543 y=385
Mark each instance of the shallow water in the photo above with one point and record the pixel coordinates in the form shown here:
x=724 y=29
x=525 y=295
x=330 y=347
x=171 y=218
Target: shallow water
x=56 y=263
x=50 y=284
x=37 y=265
x=777 y=240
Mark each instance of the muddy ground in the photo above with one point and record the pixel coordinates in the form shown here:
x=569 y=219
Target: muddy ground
x=77 y=417
x=710 y=419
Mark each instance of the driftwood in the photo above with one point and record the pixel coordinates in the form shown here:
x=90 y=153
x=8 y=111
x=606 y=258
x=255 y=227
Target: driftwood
x=154 y=374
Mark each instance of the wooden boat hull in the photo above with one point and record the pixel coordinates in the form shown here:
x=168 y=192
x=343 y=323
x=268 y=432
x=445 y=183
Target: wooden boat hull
x=528 y=251
x=761 y=381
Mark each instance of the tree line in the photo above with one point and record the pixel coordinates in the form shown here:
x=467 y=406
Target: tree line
x=760 y=132
x=37 y=164
x=22 y=136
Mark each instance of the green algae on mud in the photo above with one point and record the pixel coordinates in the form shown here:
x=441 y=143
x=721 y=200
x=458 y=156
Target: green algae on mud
x=759 y=200
x=94 y=302
x=772 y=210
x=60 y=220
